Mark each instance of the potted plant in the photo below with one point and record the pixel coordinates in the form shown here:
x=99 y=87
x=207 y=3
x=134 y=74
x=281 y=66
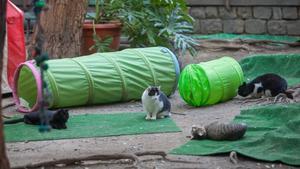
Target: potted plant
x=150 y=22
x=101 y=31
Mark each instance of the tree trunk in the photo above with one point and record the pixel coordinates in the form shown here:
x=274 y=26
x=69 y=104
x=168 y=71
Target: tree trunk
x=4 y=164
x=61 y=28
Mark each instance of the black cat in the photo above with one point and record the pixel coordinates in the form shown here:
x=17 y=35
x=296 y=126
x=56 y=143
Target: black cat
x=269 y=85
x=57 y=118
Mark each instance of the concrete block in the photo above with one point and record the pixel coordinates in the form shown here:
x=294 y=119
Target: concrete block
x=197 y=26
x=244 y=12
x=293 y=27
x=289 y=13
x=211 y=12
x=262 y=12
x=276 y=27
x=255 y=26
x=277 y=13
x=197 y=12
x=233 y=26
x=225 y=14
x=211 y=26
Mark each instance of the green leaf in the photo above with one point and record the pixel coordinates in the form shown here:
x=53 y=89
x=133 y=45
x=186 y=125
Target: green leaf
x=151 y=23
x=101 y=45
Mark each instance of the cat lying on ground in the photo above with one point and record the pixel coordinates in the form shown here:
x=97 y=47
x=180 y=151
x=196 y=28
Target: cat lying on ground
x=268 y=85
x=57 y=118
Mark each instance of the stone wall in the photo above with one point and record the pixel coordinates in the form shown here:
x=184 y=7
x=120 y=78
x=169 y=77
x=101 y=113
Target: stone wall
x=275 y=17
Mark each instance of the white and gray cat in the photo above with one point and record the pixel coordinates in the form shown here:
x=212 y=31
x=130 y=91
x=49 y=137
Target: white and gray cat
x=155 y=103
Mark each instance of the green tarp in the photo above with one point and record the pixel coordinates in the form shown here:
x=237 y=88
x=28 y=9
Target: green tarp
x=226 y=36
x=286 y=65
x=273 y=134
x=92 y=125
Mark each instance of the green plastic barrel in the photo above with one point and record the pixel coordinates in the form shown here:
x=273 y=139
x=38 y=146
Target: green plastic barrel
x=210 y=82
x=98 y=78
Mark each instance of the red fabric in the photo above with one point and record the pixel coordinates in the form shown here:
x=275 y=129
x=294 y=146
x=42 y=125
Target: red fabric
x=16 y=51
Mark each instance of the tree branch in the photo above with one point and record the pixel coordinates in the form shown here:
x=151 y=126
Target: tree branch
x=106 y=157
x=4 y=163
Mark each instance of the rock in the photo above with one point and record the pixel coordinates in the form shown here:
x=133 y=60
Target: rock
x=233 y=26
x=262 y=12
x=276 y=27
x=197 y=12
x=244 y=12
x=289 y=13
x=255 y=26
x=277 y=13
x=293 y=27
x=211 y=12
x=225 y=14
x=211 y=26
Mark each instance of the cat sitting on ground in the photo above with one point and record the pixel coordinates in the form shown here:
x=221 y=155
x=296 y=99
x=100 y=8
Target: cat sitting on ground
x=155 y=103
x=57 y=118
x=266 y=85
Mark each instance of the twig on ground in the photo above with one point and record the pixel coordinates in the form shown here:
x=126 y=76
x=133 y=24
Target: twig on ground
x=251 y=100
x=228 y=46
x=233 y=157
x=148 y=153
x=182 y=114
x=105 y=157
x=164 y=157
x=69 y=161
x=254 y=41
x=295 y=87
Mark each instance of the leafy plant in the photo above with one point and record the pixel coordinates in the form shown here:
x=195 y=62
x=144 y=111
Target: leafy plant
x=101 y=45
x=151 y=22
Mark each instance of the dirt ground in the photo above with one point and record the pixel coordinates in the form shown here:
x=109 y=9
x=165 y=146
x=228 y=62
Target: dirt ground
x=22 y=153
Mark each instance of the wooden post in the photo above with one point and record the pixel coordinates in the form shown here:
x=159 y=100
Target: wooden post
x=61 y=24
x=4 y=164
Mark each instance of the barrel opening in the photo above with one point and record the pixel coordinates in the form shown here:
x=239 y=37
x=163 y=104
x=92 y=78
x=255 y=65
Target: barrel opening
x=26 y=87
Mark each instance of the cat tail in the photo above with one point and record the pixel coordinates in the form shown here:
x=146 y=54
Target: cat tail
x=289 y=94
x=14 y=121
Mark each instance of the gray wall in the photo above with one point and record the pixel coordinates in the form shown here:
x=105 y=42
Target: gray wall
x=275 y=17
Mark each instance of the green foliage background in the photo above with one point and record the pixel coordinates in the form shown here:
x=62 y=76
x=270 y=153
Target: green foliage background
x=151 y=22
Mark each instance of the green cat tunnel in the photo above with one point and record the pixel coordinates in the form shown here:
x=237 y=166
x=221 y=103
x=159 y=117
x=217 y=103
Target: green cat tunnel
x=97 y=79
x=210 y=82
